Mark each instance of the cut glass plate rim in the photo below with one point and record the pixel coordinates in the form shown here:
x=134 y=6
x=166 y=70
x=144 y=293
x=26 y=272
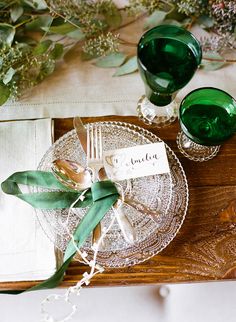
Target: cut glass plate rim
x=153 y=138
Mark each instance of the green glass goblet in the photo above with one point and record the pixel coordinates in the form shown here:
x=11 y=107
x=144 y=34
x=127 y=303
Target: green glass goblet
x=168 y=57
x=207 y=118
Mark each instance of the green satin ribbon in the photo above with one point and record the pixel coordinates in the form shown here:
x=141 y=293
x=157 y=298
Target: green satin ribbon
x=44 y=200
x=100 y=197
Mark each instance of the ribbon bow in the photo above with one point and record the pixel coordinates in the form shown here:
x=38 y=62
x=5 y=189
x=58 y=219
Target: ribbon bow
x=100 y=198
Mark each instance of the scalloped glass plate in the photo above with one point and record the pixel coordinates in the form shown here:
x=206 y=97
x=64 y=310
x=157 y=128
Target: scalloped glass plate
x=168 y=197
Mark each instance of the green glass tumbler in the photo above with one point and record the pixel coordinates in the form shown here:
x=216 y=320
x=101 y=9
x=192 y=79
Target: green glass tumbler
x=168 y=57
x=207 y=118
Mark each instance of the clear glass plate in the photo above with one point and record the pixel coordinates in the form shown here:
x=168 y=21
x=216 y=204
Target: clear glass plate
x=169 y=197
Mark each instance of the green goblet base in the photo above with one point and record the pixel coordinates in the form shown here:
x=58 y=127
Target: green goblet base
x=158 y=116
x=194 y=151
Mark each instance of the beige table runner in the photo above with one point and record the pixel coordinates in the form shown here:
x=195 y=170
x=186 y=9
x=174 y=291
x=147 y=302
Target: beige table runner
x=78 y=87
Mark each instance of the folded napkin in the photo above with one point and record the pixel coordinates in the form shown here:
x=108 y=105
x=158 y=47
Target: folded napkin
x=25 y=251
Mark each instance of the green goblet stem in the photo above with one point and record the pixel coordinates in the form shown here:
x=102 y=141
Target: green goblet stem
x=159 y=99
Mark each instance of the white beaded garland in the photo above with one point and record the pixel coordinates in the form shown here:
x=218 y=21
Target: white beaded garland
x=87 y=276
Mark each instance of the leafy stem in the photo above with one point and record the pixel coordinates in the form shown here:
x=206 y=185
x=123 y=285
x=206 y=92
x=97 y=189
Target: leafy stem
x=29 y=51
x=61 y=16
x=23 y=22
x=10 y=4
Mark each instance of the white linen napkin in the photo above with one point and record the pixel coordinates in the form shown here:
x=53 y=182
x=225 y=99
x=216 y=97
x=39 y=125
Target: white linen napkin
x=25 y=251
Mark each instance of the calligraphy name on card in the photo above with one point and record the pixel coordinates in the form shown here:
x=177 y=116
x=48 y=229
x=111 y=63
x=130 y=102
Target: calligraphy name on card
x=137 y=161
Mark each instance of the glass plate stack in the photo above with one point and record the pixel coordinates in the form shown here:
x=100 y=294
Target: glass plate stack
x=167 y=194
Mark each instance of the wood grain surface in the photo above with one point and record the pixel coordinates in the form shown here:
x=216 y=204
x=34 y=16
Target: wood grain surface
x=205 y=247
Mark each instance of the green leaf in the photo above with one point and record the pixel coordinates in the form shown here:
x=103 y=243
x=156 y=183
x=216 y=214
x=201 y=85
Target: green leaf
x=113 y=17
x=76 y=34
x=57 y=51
x=16 y=12
x=25 y=47
x=66 y=29
x=42 y=47
x=172 y=22
x=205 y=22
x=154 y=19
x=212 y=65
x=39 y=23
x=47 y=68
x=62 y=29
x=112 y=60
x=129 y=67
x=36 y=4
x=7 y=33
x=4 y=93
x=87 y=56
x=175 y=14
x=8 y=76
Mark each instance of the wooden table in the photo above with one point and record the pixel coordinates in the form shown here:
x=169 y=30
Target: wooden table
x=205 y=247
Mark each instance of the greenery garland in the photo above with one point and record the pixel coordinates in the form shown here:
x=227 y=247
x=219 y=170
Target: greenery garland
x=35 y=34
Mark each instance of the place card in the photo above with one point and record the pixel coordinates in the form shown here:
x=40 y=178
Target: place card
x=137 y=161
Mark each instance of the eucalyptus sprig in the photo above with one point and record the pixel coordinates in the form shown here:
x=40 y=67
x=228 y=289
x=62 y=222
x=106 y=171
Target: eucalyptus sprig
x=34 y=35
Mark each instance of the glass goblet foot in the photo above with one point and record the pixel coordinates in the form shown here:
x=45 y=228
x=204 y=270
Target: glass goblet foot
x=158 y=116
x=194 y=151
